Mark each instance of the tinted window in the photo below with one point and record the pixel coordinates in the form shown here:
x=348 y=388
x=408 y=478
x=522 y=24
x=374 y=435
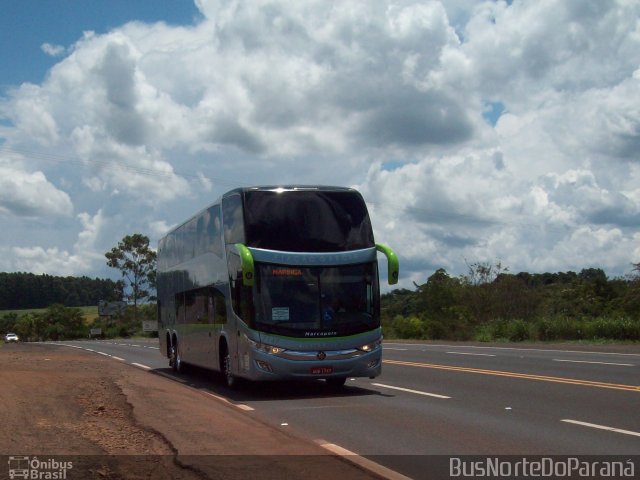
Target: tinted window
x=196 y=307
x=220 y=307
x=307 y=221
x=190 y=232
x=303 y=301
x=214 y=231
x=201 y=235
x=233 y=219
x=180 y=245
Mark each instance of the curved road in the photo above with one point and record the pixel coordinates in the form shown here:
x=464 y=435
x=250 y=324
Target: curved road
x=447 y=399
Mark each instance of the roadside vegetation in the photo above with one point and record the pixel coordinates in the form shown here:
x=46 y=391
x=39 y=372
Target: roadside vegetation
x=58 y=322
x=21 y=291
x=22 y=296
x=490 y=304
x=486 y=304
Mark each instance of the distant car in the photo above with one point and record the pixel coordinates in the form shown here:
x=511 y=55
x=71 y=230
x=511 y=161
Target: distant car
x=11 y=337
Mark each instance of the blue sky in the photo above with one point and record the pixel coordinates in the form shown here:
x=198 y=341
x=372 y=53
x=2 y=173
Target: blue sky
x=476 y=131
x=25 y=25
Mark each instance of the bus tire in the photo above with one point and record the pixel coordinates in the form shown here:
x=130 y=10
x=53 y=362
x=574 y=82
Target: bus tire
x=176 y=361
x=229 y=378
x=173 y=354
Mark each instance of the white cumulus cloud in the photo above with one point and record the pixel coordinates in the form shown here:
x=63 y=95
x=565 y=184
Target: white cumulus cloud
x=475 y=130
x=29 y=193
x=53 y=50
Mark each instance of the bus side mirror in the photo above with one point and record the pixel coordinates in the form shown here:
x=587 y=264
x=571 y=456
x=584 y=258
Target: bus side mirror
x=393 y=264
x=246 y=260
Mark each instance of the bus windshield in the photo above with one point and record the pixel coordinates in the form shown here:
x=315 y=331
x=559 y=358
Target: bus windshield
x=316 y=301
x=307 y=221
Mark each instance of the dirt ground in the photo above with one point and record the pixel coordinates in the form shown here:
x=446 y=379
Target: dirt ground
x=114 y=421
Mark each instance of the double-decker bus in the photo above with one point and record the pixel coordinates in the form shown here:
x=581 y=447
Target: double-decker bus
x=274 y=283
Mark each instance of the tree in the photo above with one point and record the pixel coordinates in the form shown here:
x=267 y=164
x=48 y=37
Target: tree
x=480 y=288
x=8 y=321
x=63 y=323
x=439 y=294
x=137 y=263
x=632 y=297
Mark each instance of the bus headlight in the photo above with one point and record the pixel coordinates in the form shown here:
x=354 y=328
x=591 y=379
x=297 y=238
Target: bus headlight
x=370 y=347
x=263 y=347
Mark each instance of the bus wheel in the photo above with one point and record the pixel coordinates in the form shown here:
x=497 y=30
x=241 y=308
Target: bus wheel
x=228 y=375
x=173 y=357
x=336 y=382
x=176 y=359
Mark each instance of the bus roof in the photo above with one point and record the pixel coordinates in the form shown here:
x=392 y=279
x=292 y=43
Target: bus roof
x=264 y=188
x=289 y=188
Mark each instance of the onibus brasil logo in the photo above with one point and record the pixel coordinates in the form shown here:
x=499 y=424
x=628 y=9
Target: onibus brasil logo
x=36 y=469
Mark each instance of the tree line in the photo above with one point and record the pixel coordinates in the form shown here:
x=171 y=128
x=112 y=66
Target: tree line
x=488 y=303
x=59 y=322
x=132 y=257
x=20 y=291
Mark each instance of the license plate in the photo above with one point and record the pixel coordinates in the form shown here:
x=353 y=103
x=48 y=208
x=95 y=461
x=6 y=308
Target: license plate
x=321 y=370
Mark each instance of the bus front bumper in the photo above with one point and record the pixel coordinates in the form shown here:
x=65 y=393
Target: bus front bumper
x=291 y=365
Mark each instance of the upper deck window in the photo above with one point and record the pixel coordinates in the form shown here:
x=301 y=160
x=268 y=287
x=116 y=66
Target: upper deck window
x=307 y=221
x=233 y=219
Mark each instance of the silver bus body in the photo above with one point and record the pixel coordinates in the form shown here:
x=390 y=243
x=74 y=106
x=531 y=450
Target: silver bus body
x=227 y=302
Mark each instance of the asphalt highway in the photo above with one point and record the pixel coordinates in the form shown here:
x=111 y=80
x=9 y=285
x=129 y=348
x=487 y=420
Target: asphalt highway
x=446 y=399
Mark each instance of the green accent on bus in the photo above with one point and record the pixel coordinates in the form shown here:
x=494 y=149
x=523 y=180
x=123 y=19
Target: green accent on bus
x=246 y=259
x=393 y=264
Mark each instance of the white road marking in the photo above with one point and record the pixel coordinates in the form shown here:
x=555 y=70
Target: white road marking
x=417 y=392
x=117 y=358
x=602 y=427
x=138 y=346
x=427 y=345
x=397 y=349
x=362 y=462
x=474 y=354
x=596 y=363
x=141 y=366
x=105 y=354
x=246 y=408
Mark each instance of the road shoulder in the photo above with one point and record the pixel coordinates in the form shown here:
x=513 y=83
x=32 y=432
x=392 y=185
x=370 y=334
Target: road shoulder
x=119 y=421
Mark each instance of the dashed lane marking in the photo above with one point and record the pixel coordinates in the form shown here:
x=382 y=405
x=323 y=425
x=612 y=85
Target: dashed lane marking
x=595 y=363
x=141 y=366
x=525 y=376
x=408 y=390
x=241 y=406
x=601 y=427
x=362 y=462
